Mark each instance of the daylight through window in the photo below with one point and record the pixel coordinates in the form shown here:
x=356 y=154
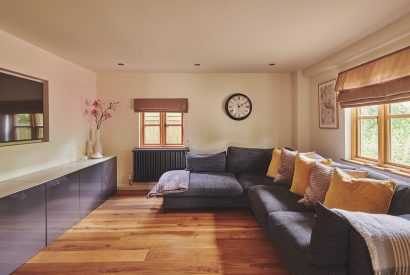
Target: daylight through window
x=381 y=133
x=161 y=129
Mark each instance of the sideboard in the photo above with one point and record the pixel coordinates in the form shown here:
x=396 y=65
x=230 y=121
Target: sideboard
x=37 y=208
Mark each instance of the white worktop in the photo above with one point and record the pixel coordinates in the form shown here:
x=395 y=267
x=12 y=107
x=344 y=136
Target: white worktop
x=21 y=183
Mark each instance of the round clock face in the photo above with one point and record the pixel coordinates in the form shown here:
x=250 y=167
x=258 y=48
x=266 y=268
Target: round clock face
x=238 y=106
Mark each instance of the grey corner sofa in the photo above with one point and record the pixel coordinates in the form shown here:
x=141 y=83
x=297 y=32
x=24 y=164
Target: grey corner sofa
x=289 y=225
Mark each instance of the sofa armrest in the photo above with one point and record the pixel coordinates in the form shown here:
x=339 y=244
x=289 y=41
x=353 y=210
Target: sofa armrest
x=359 y=262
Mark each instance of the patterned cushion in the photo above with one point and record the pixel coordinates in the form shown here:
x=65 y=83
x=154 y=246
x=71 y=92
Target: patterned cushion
x=319 y=181
x=286 y=168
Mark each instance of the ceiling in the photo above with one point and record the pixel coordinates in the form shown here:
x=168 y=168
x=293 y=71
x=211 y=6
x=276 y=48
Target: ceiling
x=172 y=35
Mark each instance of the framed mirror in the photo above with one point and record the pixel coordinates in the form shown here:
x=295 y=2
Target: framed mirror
x=23 y=109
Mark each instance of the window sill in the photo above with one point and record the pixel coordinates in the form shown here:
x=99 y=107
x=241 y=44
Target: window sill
x=382 y=167
x=162 y=147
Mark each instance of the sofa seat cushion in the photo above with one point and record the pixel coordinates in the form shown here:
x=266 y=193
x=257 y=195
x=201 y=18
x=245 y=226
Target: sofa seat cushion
x=266 y=199
x=293 y=229
x=247 y=180
x=211 y=185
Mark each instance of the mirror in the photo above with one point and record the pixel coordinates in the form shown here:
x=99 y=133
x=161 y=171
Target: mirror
x=23 y=108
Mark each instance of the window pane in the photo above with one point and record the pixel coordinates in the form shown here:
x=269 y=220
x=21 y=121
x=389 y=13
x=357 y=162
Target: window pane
x=23 y=133
x=22 y=120
x=369 y=110
x=152 y=118
x=400 y=108
x=174 y=135
x=369 y=138
x=39 y=120
x=400 y=140
x=174 y=118
x=152 y=135
x=40 y=132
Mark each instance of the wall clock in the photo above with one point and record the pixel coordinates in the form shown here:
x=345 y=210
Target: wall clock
x=238 y=106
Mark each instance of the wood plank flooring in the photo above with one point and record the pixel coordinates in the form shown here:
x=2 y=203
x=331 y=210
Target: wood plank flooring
x=129 y=234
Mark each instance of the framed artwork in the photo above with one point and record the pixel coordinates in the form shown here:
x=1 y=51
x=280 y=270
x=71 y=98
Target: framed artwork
x=328 y=111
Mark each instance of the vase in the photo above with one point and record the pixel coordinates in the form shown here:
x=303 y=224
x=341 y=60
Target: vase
x=97 y=145
x=89 y=150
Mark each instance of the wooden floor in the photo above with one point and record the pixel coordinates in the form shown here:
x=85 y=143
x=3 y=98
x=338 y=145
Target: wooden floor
x=130 y=234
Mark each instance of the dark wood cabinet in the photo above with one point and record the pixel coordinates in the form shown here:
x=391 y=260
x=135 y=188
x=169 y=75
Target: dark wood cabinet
x=22 y=227
x=35 y=217
x=109 y=178
x=90 y=189
x=63 y=204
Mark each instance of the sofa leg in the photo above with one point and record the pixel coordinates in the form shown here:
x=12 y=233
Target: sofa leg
x=253 y=214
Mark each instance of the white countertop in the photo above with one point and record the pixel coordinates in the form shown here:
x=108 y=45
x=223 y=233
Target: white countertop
x=21 y=183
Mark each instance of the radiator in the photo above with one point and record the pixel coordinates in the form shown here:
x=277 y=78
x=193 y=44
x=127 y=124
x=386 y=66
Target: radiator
x=150 y=163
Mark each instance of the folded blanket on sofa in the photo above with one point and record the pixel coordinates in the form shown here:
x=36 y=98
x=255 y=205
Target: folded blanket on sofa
x=387 y=238
x=170 y=182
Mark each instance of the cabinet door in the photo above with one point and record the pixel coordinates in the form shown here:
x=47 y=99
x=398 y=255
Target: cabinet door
x=22 y=227
x=109 y=178
x=63 y=205
x=90 y=189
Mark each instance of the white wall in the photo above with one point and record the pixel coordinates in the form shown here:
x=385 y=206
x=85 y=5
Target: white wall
x=69 y=86
x=336 y=143
x=207 y=128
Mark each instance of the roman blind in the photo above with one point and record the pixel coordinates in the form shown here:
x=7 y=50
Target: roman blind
x=381 y=81
x=179 y=105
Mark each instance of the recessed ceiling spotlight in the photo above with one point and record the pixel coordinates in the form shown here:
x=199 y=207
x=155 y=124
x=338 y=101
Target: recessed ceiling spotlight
x=120 y=64
x=272 y=64
x=197 y=64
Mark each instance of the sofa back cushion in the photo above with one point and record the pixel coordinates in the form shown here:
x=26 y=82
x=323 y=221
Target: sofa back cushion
x=400 y=203
x=248 y=160
x=206 y=163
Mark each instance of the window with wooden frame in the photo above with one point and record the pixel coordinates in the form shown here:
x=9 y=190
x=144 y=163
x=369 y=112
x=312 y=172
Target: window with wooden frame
x=381 y=135
x=161 y=129
x=28 y=126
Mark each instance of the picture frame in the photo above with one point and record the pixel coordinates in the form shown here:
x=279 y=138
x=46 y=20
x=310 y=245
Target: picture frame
x=328 y=107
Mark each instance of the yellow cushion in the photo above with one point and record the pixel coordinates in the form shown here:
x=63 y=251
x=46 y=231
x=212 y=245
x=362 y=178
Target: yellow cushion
x=274 y=163
x=303 y=167
x=359 y=194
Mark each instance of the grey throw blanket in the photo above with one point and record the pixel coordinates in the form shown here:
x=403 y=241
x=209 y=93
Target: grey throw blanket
x=170 y=182
x=387 y=238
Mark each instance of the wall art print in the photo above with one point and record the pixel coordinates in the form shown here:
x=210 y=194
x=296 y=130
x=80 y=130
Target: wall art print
x=328 y=109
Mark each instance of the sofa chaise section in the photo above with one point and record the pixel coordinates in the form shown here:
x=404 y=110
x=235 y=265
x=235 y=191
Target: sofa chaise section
x=210 y=188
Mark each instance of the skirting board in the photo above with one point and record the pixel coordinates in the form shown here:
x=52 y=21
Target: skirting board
x=137 y=186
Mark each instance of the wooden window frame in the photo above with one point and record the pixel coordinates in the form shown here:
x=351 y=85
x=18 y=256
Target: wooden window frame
x=383 y=119
x=163 y=131
x=33 y=126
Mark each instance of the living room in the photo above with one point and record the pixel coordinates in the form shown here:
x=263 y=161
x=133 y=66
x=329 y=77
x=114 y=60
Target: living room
x=240 y=75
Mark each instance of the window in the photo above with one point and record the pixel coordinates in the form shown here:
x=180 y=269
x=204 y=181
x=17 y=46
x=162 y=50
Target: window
x=28 y=126
x=161 y=129
x=381 y=134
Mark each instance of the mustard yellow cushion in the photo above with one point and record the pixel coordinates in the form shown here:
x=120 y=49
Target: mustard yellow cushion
x=359 y=194
x=274 y=163
x=303 y=168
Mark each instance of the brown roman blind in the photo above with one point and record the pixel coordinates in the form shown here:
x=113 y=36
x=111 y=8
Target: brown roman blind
x=381 y=81
x=179 y=105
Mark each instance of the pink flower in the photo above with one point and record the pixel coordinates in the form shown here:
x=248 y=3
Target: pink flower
x=107 y=115
x=95 y=103
x=94 y=112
